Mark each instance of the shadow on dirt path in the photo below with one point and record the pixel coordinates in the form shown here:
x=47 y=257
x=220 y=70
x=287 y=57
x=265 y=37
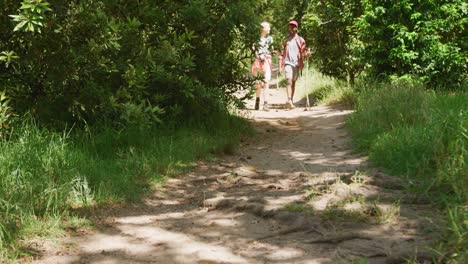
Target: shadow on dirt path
x=295 y=193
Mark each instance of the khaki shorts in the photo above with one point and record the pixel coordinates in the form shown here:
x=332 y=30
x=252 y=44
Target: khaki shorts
x=291 y=72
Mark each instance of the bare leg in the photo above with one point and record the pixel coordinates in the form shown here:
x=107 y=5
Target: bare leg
x=265 y=84
x=289 y=89
x=293 y=89
x=259 y=89
x=258 y=93
x=265 y=91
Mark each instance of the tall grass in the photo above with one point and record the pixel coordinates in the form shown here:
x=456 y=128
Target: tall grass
x=44 y=174
x=323 y=90
x=421 y=135
x=337 y=93
x=414 y=132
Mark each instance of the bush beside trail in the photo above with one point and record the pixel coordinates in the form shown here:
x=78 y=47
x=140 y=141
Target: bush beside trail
x=101 y=99
x=424 y=40
x=125 y=63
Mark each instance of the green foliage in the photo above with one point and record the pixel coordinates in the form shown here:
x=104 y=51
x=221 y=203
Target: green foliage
x=455 y=239
x=385 y=107
x=414 y=132
x=279 y=12
x=8 y=57
x=31 y=15
x=6 y=116
x=333 y=36
x=335 y=93
x=424 y=38
x=119 y=61
x=326 y=90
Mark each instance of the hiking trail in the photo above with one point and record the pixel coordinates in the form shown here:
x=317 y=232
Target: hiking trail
x=294 y=193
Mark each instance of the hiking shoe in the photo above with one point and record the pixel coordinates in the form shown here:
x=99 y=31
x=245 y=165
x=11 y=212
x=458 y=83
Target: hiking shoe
x=290 y=105
x=266 y=107
x=257 y=104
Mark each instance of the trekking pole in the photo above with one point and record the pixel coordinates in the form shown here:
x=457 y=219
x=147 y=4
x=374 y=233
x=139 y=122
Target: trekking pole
x=307 y=88
x=277 y=74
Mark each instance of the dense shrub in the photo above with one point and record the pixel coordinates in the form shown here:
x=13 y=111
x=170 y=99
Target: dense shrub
x=126 y=61
x=423 y=39
x=331 y=31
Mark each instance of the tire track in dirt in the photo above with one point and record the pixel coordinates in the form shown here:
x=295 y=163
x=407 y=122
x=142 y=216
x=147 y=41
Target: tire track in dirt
x=295 y=193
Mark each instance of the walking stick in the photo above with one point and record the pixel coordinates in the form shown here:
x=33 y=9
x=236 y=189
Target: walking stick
x=277 y=75
x=307 y=88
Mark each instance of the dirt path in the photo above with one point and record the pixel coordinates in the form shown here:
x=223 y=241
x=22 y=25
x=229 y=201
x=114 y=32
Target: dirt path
x=293 y=194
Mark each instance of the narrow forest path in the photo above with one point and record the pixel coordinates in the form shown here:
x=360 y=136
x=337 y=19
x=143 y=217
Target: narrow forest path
x=295 y=193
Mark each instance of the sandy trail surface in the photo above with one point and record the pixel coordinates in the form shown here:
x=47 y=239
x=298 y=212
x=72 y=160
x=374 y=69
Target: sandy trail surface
x=294 y=193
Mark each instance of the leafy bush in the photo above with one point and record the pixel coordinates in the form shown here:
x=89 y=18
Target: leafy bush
x=330 y=29
x=92 y=60
x=383 y=39
x=427 y=39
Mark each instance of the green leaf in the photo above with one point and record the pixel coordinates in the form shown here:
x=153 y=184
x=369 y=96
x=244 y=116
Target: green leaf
x=20 y=25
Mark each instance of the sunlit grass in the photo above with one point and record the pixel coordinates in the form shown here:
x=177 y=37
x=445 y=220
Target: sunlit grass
x=422 y=136
x=45 y=174
x=324 y=90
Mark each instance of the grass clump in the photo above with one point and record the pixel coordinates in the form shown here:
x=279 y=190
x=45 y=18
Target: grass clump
x=324 y=90
x=338 y=213
x=453 y=247
x=336 y=93
x=299 y=208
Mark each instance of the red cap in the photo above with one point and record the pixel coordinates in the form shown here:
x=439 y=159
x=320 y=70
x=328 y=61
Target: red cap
x=294 y=23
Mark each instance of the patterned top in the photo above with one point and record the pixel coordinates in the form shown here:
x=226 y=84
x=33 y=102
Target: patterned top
x=263 y=46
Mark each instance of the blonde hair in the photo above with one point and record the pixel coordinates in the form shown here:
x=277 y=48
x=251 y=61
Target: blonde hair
x=265 y=24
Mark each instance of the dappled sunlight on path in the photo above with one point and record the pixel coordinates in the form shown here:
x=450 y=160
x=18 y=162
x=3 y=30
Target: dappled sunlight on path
x=295 y=193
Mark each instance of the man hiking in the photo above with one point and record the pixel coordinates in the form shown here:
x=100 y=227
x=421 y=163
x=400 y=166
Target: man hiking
x=262 y=64
x=291 y=60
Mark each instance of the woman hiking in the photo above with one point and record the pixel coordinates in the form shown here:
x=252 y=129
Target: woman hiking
x=262 y=65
